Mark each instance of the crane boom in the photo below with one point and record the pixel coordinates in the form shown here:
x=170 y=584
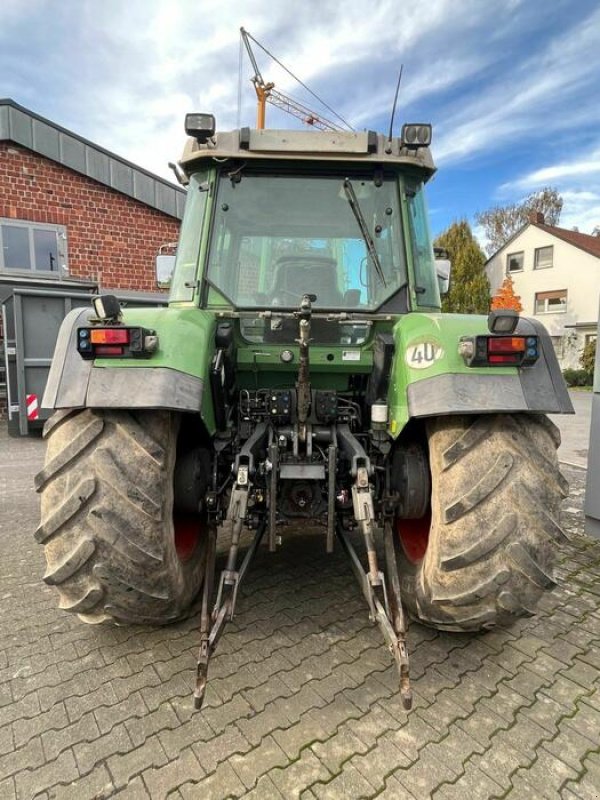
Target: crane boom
x=266 y=93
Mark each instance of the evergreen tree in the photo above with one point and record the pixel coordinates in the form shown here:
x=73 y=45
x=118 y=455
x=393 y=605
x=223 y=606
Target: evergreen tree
x=588 y=357
x=469 y=288
x=505 y=297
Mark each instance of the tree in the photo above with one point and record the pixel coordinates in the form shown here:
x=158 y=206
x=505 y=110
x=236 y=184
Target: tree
x=469 y=288
x=588 y=357
x=596 y=231
x=502 y=222
x=505 y=297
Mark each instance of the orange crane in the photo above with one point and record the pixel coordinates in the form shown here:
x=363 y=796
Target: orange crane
x=266 y=93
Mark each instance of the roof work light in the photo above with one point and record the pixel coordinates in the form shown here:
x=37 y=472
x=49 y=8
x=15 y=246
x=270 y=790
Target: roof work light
x=200 y=126
x=416 y=134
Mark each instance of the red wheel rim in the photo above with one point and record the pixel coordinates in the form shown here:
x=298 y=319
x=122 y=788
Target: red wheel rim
x=414 y=536
x=187 y=529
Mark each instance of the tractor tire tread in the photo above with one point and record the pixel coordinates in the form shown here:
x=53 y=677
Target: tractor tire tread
x=496 y=494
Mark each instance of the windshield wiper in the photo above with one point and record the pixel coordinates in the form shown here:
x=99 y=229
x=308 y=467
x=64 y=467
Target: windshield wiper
x=368 y=239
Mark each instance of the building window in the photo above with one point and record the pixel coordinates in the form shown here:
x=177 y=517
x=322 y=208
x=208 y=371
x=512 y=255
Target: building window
x=551 y=302
x=514 y=262
x=32 y=246
x=543 y=257
x=557 y=343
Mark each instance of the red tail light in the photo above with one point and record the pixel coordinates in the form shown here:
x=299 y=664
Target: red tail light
x=109 y=336
x=506 y=344
x=109 y=350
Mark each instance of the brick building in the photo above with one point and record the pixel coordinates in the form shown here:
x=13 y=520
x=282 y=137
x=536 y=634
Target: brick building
x=72 y=211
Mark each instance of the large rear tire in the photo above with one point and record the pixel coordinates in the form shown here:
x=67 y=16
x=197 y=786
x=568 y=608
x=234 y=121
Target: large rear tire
x=114 y=547
x=485 y=553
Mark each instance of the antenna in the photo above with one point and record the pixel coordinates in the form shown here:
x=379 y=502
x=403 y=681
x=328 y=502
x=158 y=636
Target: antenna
x=388 y=148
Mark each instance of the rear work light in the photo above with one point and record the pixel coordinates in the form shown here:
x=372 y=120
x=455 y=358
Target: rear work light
x=116 y=342
x=499 y=351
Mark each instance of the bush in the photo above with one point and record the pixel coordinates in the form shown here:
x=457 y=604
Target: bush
x=588 y=357
x=577 y=377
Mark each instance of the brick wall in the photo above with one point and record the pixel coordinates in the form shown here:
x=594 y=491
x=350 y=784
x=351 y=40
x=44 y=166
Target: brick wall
x=110 y=237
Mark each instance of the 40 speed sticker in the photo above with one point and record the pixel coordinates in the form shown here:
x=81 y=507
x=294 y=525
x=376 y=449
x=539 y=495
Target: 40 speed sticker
x=421 y=355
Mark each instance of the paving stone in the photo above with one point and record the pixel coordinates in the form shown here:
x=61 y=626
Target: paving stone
x=77 y=706
x=84 y=730
x=124 y=766
x=524 y=735
x=505 y=702
x=547 y=772
x=570 y=747
x=379 y=762
x=317 y=724
x=135 y=790
x=472 y=784
x=265 y=789
x=220 y=748
x=582 y=673
x=25 y=729
x=164 y=718
x=587 y=785
x=370 y=689
x=30 y=756
x=7 y=789
x=258 y=762
x=223 y=782
x=414 y=735
x=219 y=718
x=259 y=696
x=88 y=754
x=21 y=686
x=441 y=714
x=349 y=783
x=500 y=762
x=482 y=725
x=586 y=721
x=97 y=785
x=109 y=716
x=174 y=736
x=425 y=774
x=294 y=778
x=340 y=747
x=272 y=718
x=522 y=789
x=31 y=782
x=177 y=686
x=162 y=780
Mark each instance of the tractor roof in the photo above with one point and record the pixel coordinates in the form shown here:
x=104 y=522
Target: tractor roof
x=326 y=146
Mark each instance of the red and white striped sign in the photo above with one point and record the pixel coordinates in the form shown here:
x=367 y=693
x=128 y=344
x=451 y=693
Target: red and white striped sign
x=32 y=407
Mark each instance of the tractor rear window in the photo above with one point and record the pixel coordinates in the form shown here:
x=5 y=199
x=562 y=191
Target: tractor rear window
x=277 y=237
x=428 y=293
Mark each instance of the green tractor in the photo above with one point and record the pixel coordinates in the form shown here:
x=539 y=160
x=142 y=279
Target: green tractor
x=303 y=374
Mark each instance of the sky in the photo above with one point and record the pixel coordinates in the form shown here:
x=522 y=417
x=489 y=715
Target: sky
x=512 y=87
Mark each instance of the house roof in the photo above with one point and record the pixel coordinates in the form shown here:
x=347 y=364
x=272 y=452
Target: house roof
x=40 y=135
x=591 y=244
x=584 y=241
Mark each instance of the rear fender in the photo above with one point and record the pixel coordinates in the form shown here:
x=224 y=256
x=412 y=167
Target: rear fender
x=174 y=377
x=430 y=377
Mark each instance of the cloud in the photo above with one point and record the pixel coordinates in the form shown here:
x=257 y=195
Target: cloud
x=546 y=92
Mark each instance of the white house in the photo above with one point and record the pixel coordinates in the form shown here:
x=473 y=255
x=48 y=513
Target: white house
x=556 y=273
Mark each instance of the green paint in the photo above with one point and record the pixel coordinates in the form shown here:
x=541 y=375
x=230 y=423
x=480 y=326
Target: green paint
x=443 y=331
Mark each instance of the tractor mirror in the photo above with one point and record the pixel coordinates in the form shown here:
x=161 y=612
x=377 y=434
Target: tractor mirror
x=165 y=264
x=164 y=270
x=443 y=267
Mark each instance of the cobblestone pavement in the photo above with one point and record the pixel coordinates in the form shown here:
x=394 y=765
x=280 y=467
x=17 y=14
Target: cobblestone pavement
x=302 y=696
